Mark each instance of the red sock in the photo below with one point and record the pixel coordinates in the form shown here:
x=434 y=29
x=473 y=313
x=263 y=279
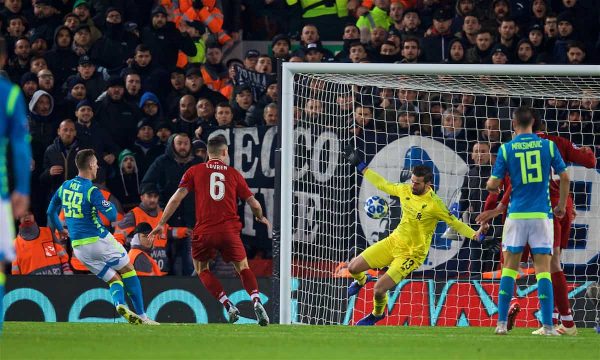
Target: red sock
x=250 y=284
x=214 y=287
x=561 y=298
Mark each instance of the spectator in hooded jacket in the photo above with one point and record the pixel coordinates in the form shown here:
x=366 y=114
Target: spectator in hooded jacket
x=61 y=59
x=126 y=184
x=151 y=109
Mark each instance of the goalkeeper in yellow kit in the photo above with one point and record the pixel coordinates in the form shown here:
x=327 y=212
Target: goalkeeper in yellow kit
x=406 y=248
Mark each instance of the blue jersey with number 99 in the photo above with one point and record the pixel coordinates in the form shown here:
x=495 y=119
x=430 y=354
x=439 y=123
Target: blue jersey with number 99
x=529 y=159
x=81 y=200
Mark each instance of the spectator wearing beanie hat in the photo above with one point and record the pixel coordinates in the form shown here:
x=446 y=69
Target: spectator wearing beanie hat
x=566 y=34
x=163 y=130
x=118 y=116
x=116 y=44
x=76 y=92
x=146 y=146
x=94 y=136
x=47 y=19
x=29 y=85
x=164 y=40
x=126 y=184
x=280 y=46
x=81 y=9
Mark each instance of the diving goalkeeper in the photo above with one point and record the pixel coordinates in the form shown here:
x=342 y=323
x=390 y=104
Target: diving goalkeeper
x=406 y=248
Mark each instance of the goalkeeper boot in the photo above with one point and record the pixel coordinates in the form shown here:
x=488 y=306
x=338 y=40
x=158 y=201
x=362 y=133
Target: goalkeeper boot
x=129 y=315
x=355 y=287
x=514 y=310
x=567 y=331
x=261 y=314
x=233 y=313
x=370 y=320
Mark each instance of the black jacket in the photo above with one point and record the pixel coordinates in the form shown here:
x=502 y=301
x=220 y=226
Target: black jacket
x=58 y=154
x=114 y=48
x=119 y=118
x=166 y=173
x=165 y=43
x=62 y=61
x=97 y=138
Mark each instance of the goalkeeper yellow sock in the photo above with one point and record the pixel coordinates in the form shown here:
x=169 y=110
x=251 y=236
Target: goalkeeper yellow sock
x=360 y=277
x=379 y=305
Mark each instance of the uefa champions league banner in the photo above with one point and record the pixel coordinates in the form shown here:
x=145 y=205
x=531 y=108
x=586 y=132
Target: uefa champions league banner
x=85 y=298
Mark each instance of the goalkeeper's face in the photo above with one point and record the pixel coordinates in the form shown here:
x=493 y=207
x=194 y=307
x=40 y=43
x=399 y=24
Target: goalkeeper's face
x=418 y=185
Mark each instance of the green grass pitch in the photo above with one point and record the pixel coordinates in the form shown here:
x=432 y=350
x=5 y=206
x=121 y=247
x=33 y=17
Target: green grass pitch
x=223 y=341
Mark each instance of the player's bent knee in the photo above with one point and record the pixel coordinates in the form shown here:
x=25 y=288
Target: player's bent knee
x=357 y=265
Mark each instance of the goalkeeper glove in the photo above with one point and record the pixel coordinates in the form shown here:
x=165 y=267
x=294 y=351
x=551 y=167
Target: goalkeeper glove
x=491 y=244
x=353 y=157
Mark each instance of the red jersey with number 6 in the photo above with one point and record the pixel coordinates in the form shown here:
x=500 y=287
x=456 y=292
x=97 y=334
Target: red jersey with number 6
x=216 y=187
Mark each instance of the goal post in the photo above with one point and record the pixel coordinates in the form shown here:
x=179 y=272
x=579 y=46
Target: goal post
x=321 y=223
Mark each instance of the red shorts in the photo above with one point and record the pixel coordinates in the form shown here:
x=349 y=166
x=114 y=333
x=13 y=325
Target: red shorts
x=205 y=247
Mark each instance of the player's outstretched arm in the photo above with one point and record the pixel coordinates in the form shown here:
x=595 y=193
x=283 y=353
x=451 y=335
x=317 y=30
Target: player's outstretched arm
x=172 y=205
x=354 y=157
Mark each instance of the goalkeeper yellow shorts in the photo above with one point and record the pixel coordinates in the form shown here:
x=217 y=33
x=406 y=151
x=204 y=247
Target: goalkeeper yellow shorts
x=381 y=254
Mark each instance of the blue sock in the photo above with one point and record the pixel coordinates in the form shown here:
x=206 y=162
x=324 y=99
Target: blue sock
x=134 y=290
x=117 y=292
x=546 y=296
x=507 y=288
x=2 y=282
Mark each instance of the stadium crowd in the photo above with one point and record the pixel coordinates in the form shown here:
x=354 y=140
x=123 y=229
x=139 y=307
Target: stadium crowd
x=145 y=82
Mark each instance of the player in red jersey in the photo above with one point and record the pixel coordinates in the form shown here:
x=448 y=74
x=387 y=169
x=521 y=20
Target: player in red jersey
x=217 y=187
x=583 y=156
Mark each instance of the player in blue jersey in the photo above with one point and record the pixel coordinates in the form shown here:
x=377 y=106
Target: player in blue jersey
x=529 y=161
x=92 y=243
x=13 y=130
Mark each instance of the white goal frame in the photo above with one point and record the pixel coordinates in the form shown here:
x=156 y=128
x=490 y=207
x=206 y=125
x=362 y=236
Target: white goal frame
x=286 y=131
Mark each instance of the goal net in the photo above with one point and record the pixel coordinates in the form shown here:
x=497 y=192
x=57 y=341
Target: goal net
x=452 y=118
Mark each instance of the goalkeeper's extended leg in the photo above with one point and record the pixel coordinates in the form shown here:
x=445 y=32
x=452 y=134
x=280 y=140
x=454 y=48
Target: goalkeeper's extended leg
x=380 y=299
x=357 y=269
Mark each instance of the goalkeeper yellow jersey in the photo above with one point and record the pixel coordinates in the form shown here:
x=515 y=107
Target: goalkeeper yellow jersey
x=420 y=215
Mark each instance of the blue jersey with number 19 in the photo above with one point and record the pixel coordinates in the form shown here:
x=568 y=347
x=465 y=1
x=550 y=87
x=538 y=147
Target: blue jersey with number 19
x=81 y=200
x=528 y=160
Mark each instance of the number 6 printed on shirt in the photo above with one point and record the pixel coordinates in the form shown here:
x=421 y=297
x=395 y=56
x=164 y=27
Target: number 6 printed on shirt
x=217 y=186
